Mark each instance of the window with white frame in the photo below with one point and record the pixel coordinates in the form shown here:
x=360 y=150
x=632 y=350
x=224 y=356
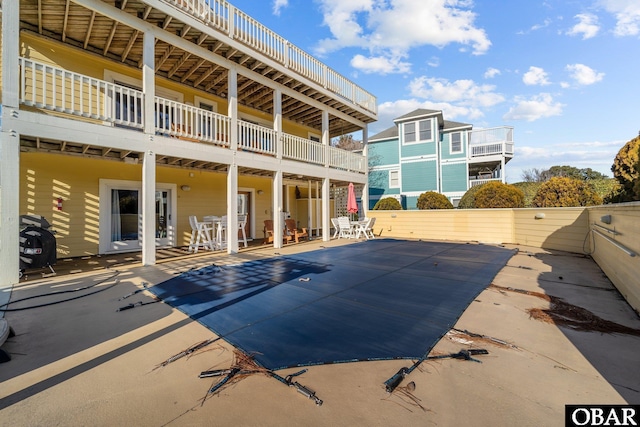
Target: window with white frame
x=409 y=132
x=425 y=130
x=419 y=131
x=394 y=179
x=456 y=142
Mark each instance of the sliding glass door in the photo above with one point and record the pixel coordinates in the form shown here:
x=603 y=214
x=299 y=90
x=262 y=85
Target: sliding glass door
x=121 y=216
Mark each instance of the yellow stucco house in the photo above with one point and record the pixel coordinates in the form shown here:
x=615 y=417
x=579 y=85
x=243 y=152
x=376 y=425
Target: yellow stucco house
x=120 y=119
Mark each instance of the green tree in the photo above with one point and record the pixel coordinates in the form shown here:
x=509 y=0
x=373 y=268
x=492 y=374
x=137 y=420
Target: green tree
x=387 y=204
x=626 y=169
x=566 y=192
x=495 y=194
x=433 y=200
x=468 y=200
x=542 y=175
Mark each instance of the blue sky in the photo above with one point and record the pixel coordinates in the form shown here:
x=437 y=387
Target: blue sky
x=565 y=74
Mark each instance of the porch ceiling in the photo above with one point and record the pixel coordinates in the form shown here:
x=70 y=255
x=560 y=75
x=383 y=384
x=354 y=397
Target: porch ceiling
x=51 y=146
x=70 y=23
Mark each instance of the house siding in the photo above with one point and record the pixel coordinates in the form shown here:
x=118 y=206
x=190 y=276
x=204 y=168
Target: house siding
x=419 y=176
x=383 y=153
x=45 y=177
x=454 y=177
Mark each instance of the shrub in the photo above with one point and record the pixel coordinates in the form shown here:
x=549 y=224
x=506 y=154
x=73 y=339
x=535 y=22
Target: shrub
x=387 y=204
x=433 y=200
x=529 y=189
x=626 y=169
x=566 y=192
x=468 y=200
x=495 y=194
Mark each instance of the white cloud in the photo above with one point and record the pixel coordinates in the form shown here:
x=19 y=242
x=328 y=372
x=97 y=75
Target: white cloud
x=627 y=14
x=380 y=65
x=535 y=76
x=278 y=5
x=464 y=92
x=535 y=108
x=584 y=75
x=392 y=28
x=587 y=26
x=491 y=73
x=434 y=62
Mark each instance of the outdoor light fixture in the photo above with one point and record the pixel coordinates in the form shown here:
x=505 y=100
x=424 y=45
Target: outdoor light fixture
x=539 y=215
x=606 y=219
x=185 y=188
x=260 y=192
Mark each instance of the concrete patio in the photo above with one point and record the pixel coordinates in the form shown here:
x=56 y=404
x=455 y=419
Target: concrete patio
x=84 y=363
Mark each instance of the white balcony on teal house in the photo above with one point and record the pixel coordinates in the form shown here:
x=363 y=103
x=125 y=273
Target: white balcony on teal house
x=423 y=152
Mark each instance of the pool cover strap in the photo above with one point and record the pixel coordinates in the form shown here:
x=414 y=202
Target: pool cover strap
x=396 y=379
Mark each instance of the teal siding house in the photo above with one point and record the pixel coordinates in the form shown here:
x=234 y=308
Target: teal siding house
x=423 y=152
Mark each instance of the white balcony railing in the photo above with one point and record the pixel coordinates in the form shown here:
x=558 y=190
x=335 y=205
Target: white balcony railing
x=346 y=160
x=302 y=149
x=475 y=182
x=485 y=136
x=188 y=122
x=50 y=88
x=260 y=139
x=54 y=89
x=224 y=17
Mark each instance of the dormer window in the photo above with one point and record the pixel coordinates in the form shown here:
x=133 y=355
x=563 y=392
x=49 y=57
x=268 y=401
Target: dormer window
x=421 y=134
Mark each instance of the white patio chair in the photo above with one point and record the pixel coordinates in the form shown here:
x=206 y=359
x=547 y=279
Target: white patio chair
x=242 y=221
x=336 y=227
x=345 y=228
x=369 y=230
x=200 y=234
x=360 y=229
x=221 y=233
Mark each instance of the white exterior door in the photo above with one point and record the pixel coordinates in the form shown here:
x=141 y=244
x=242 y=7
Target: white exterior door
x=121 y=215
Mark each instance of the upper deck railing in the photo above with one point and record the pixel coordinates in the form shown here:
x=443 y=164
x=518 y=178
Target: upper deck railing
x=492 y=141
x=224 y=17
x=51 y=88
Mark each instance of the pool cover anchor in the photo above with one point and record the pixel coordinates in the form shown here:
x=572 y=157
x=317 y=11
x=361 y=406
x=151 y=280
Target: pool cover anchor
x=288 y=380
x=392 y=383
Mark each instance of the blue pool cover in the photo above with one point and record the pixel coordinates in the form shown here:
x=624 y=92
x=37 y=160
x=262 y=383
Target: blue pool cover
x=373 y=300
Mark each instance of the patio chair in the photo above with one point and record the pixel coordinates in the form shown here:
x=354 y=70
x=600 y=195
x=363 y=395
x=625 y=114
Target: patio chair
x=336 y=227
x=344 y=227
x=360 y=228
x=268 y=233
x=369 y=230
x=242 y=222
x=293 y=231
x=200 y=235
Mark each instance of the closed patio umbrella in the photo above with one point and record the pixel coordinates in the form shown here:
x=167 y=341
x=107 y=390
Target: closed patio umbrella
x=352 y=205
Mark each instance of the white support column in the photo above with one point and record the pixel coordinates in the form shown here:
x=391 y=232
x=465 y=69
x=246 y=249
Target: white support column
x=365 y=153
x=232 y=110
x=232 y=174
x=326 y=210
x=148 y=83
x=325 y=136
x=326 y=183
x=277 y=121
x=309 y=209
x=149 y=208
x=232 y=209
x=318 y=210
x=149 y=160
x=9 y=153
x=278 y=224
